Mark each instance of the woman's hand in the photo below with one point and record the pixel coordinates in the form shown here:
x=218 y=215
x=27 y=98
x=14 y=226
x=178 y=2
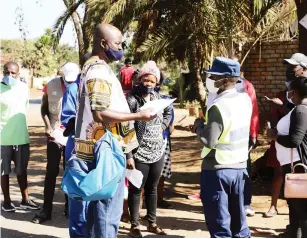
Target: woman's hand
x=276 y=101
x=272 y=134
x=130 y=164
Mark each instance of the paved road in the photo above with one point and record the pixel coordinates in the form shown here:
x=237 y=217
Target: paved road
x=33 y=116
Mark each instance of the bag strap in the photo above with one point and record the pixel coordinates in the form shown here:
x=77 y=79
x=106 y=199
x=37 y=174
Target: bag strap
x=80 y=111
x=292 y=168
x=300 y=164
x=82 y=96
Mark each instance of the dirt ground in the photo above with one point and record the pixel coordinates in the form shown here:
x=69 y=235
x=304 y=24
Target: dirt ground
x=184 y=220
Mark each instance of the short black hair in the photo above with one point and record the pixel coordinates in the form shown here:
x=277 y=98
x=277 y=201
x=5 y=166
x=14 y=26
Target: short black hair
x=128 y=61
x=300 y=86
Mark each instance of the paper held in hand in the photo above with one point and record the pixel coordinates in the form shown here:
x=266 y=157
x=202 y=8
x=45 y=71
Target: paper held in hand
x=157 y=106
x=58 y=136
x=135 y=177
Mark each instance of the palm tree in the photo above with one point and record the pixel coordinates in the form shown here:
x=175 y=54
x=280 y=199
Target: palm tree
x=193 y=31
x=188 y=31
x=301 y=6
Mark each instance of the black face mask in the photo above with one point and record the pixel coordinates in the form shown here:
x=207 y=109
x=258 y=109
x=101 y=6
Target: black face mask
x=290 y=74
x=145 y=90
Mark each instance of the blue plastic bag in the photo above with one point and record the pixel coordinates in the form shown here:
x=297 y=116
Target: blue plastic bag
x=97 y=179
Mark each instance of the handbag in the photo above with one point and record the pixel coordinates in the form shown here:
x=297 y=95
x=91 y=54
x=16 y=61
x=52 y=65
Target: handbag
x=295 y=183
x=97 y=179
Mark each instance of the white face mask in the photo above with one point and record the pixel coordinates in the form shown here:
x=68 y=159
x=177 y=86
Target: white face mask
x=289 y=99
x=210 y=86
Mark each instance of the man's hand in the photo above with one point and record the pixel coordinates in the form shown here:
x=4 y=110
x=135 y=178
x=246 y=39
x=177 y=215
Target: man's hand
x=48 y=131
x=130 y=163
x=272 y=134
x=145 y=115
x=276 y=101
x=197 y=123
x=171 y=128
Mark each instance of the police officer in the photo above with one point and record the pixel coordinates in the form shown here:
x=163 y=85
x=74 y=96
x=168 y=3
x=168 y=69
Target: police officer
x=225 y=137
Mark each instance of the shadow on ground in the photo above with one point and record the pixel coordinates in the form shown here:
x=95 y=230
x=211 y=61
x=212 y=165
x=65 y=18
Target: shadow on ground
x=7 y=233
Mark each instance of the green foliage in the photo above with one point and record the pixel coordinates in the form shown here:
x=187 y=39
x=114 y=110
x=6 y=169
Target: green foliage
x=38 y=55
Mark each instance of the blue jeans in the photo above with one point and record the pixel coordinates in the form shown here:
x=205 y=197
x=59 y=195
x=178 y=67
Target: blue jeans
x=223 y=202
x=103 y=216
x=77 y=209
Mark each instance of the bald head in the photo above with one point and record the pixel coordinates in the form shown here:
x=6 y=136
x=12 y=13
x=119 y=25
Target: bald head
x=11 y=68
x=107 y=36
x=107 y=31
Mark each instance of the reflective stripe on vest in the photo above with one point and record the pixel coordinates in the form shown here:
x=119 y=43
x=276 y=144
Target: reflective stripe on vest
x=235 y=109
x=55 y=96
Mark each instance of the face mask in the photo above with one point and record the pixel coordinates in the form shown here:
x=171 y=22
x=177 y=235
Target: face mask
x=289 y=99
x=210 y=86
x=114 y=55
x=145 y=90
x=9 y=80
x=290 y=74
x=287 y=83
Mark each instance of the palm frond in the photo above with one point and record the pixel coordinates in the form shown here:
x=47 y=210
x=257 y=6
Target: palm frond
x=60 y=23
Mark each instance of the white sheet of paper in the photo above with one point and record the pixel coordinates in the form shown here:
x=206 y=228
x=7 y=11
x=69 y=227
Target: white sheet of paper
x=58 y=136
x=135 y=177
x=303 y=21
x=157 y=106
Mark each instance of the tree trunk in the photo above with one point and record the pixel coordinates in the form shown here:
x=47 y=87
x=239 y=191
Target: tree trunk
x=31 y=77
x=195 y=69
x=301 y=6
x=77 y=24
x=87 y=32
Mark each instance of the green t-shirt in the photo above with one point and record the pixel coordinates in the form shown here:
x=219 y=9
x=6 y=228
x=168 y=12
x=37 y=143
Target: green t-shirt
x=13 y=106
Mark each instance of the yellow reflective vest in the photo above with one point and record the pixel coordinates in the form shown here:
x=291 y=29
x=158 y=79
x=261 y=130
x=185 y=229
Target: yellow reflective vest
x=236 y=111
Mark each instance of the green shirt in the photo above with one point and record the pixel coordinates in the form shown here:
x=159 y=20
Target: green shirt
x=13 y=106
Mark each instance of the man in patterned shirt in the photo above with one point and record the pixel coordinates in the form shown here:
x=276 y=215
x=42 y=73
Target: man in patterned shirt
x=105 y=108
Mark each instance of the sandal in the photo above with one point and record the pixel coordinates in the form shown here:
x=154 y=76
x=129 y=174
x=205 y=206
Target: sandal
x=135 y=232
x=41 y=218
x=153 y=228
x=270 y=214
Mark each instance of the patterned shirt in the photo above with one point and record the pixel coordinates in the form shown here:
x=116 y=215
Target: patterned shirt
x=103 y=91
x=149 y=134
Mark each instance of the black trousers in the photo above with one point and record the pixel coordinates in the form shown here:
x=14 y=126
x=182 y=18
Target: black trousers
x=151 y=175
x=297 y=211
x=55 y=152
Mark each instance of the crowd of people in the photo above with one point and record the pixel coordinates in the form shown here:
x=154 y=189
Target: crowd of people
x=79 y=107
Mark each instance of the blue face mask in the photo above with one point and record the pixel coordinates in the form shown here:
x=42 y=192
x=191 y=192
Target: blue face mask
x=145 y=90
x=114 y=55
x=287 y=83
x=9 y=80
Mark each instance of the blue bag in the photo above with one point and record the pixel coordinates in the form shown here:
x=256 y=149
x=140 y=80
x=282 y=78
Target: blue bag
x=97 y=179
